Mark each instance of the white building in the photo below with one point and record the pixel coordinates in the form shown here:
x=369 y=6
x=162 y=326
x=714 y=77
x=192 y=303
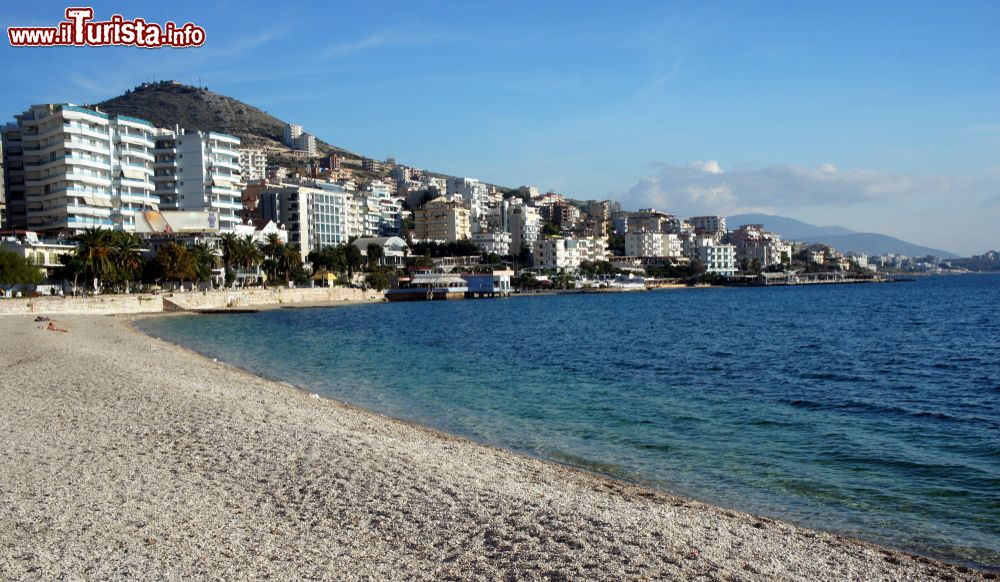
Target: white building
x=297 y=139
x=68 y=168
x=253 y=164
x=566 y=254
x=497 y=243
x=708 y=225
x=718 y=258
x=525 y=227
x=199 y=171
x=394 y=249
x=475 y=194
x=652 y=244
x=44 y=254
x=315 y=217
x=383 y=211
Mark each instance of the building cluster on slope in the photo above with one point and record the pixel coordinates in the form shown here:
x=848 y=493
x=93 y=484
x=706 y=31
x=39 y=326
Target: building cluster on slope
x=67 y=168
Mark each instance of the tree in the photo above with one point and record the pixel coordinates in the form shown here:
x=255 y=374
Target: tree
x=176 y=263
x=330 y=259
x=17 y=270
x=230 y=244
x=375 y=254
x=352 y=254
x=204 y=259
x=94 y=251
x=126 y=259
x=379 y=278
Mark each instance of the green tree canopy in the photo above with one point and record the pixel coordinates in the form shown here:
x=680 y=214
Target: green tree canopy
x=15 y=269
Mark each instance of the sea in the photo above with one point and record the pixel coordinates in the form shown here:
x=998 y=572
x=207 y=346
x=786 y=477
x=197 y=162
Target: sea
x=871 y=410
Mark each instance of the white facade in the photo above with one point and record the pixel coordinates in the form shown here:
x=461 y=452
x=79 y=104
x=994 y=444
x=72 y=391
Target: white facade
x=295 y=138
x=68 y=168
x=718 y=258
x=199 y=171
x=525 y=227
x=566 y=254
x=710 y=225
x=315 y=217
x=475 y=194
x=253 y=165
x=652 y=244
x=497 y=243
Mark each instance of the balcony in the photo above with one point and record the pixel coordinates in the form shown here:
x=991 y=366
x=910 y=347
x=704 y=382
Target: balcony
x=136 y=138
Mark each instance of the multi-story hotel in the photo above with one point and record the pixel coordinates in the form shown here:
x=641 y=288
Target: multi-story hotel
x=566 y=254
x=199 y=171
x=68 y=168
x=718 y=258
x=314 y=215
x=253 y=165
x=442 y=220
x=652 y=244
x=525 y=227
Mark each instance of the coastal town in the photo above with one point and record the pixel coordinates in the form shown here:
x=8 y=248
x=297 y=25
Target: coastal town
x=99 y=202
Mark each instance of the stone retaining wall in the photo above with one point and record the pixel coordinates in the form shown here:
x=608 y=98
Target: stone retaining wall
x=259 y=297
x=99 y=305
x=191 y=300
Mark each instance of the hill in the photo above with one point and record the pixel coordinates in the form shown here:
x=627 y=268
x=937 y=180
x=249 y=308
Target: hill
x=842 y=239
x=168 y=103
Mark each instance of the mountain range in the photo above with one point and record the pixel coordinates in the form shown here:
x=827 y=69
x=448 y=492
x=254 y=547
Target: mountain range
x=840 y=238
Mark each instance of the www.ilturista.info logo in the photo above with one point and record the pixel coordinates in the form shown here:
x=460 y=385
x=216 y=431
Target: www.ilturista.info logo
x=79 y=30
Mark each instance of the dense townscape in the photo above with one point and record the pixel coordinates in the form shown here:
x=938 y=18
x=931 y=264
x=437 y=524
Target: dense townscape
x=98 y=201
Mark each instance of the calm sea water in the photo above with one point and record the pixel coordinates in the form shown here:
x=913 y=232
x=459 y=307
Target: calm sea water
x=871 y=410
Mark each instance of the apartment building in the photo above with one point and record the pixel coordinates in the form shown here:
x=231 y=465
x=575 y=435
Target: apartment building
x=67 y=168
x=253 y=164
x=497 y=243
x=708 y=225
x=566 y=253
x=475 y=194
x=525 y=227
x=298 y=140
x=652 y=220
x=199 y=171
x=315 y=216
x=442 y=220
x=755 y=244
x=653 y=244
x=718 y=258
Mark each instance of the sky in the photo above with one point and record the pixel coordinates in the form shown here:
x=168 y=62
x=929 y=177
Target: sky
x=876 y=116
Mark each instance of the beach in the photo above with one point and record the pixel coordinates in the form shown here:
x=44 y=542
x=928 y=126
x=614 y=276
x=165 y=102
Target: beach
x=126 y=457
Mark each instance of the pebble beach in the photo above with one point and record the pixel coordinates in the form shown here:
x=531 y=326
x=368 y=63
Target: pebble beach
x=126 y=457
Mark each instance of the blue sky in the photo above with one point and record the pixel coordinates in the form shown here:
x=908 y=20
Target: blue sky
x=878 y=116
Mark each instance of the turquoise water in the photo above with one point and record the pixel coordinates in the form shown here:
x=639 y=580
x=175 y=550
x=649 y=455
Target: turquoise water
x=870 y=410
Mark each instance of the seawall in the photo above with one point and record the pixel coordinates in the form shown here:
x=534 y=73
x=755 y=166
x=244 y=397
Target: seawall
x=187 y=301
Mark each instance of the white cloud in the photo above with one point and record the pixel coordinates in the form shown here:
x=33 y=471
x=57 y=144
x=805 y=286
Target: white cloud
x=704 y=187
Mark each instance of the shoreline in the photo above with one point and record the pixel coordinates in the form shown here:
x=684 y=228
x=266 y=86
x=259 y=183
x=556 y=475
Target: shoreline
x=447 y=506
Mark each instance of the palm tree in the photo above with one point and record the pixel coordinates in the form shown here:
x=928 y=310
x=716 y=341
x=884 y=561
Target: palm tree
x=272 y=246
x=229 y=242
x=125 y=257
x=94 y=251
x=204 y=259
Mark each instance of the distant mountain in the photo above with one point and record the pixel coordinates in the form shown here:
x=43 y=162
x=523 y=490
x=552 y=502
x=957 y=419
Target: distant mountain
x=840 y=238
x=169 y=103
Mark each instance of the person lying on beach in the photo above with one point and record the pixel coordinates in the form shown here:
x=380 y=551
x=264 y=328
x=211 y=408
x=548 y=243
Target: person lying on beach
x=52 y=327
